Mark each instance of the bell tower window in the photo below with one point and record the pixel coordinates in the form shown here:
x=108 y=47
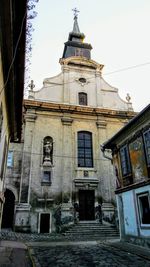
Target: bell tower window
x=83 y=99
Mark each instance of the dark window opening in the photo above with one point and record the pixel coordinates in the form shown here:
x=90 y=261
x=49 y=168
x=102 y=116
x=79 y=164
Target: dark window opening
x=82 y=80
x=78 y=52
x=144 y=209
x=147 y=145
x=46 y=177
x=83 y=99
x=85 y=153
x=125 y=161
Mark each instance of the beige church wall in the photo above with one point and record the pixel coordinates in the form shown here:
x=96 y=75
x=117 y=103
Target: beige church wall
x=52 y=90
x=13 y=171
x=113 y=101
x=89 y=87
x=99 y=92
x=65 y=168
x=48 y=126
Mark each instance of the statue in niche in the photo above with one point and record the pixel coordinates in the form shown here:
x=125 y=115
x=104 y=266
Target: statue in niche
x=48 y=150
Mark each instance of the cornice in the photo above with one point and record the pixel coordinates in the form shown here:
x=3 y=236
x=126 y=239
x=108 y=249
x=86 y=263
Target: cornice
x=74 y=60
x=84 y=110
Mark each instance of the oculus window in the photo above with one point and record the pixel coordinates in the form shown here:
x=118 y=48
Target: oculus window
x=85 y=150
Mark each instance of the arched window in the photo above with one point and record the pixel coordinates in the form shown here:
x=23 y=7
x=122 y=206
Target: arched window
x=85 y=149
x=83 y=99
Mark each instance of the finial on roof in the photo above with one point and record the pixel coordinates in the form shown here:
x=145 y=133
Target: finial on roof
x=31 y=85
x=75 y=11
x=128 y=98
x=75 y=25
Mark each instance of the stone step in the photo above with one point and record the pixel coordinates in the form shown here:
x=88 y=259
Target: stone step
x=84 y=234
x=94 y=228
x=86 y=230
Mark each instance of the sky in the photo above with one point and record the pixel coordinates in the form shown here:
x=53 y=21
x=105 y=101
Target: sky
x=118 y=31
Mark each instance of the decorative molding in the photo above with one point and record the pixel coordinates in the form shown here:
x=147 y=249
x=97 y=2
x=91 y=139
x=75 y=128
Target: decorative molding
x=30 y=117
x=43 y=199
x=75 y=109
x=101 y=124
x=86 y=182
x=81 y=61
x=66 y=121
x=82 y=83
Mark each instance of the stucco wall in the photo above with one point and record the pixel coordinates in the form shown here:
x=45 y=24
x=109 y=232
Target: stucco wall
x=130 y=213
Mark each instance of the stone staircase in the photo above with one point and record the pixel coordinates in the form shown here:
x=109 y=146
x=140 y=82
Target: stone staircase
x=91 y=230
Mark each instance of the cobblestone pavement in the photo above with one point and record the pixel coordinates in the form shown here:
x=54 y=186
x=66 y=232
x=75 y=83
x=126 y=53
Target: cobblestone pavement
x=55 y=250
x=15 y=236
x=90 y=254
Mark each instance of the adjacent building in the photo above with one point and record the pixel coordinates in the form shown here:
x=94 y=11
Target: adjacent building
x=12 y=58
x=131 y=159
x=58 y=175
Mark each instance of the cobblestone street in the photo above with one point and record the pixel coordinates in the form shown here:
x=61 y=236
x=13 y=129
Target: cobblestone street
x=90 y=254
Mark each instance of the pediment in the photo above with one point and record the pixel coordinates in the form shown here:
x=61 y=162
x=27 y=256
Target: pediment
x=81 y=62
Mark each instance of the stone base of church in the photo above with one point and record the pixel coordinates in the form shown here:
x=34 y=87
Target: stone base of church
x=22 y=219
x=67 y=214
x=108 y=212
x=54 y=219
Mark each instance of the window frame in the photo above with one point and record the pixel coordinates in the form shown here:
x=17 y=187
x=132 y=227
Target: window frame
x=10 y=164
x=140 y=208
x=46 y=181
x=127 y=160
x=146 y=147
x=86 y=149
x=81 y=96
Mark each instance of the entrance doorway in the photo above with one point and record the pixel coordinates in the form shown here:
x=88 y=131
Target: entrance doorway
x=8 y=210
x=44 y=223
x=86 y=205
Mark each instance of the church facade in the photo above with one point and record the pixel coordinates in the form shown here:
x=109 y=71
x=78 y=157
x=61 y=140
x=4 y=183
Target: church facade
x=58 y=174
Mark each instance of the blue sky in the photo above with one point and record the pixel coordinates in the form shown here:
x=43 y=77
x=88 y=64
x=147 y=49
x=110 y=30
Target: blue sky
x=118 y=31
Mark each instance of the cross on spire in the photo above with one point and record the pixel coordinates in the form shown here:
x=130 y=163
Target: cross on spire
x=75 y=11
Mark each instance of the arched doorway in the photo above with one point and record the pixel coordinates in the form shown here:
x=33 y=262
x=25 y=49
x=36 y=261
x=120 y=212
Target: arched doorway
x=8 y=210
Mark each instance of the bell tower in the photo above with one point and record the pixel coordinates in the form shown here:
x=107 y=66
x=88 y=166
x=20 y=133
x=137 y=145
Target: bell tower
x=75 y=45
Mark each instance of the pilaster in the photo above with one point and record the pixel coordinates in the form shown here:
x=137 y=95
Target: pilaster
x=103 y=167
x=67 y=158
x=98 y=88
x=30 y=118
x=66 y=84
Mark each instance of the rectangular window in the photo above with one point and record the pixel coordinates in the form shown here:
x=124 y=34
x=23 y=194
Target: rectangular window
x=144 y=208
x=85 y=150
x=46 y=177
x=125 y=161
x=10 y=159
x=83 y=99
x=147 y=145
